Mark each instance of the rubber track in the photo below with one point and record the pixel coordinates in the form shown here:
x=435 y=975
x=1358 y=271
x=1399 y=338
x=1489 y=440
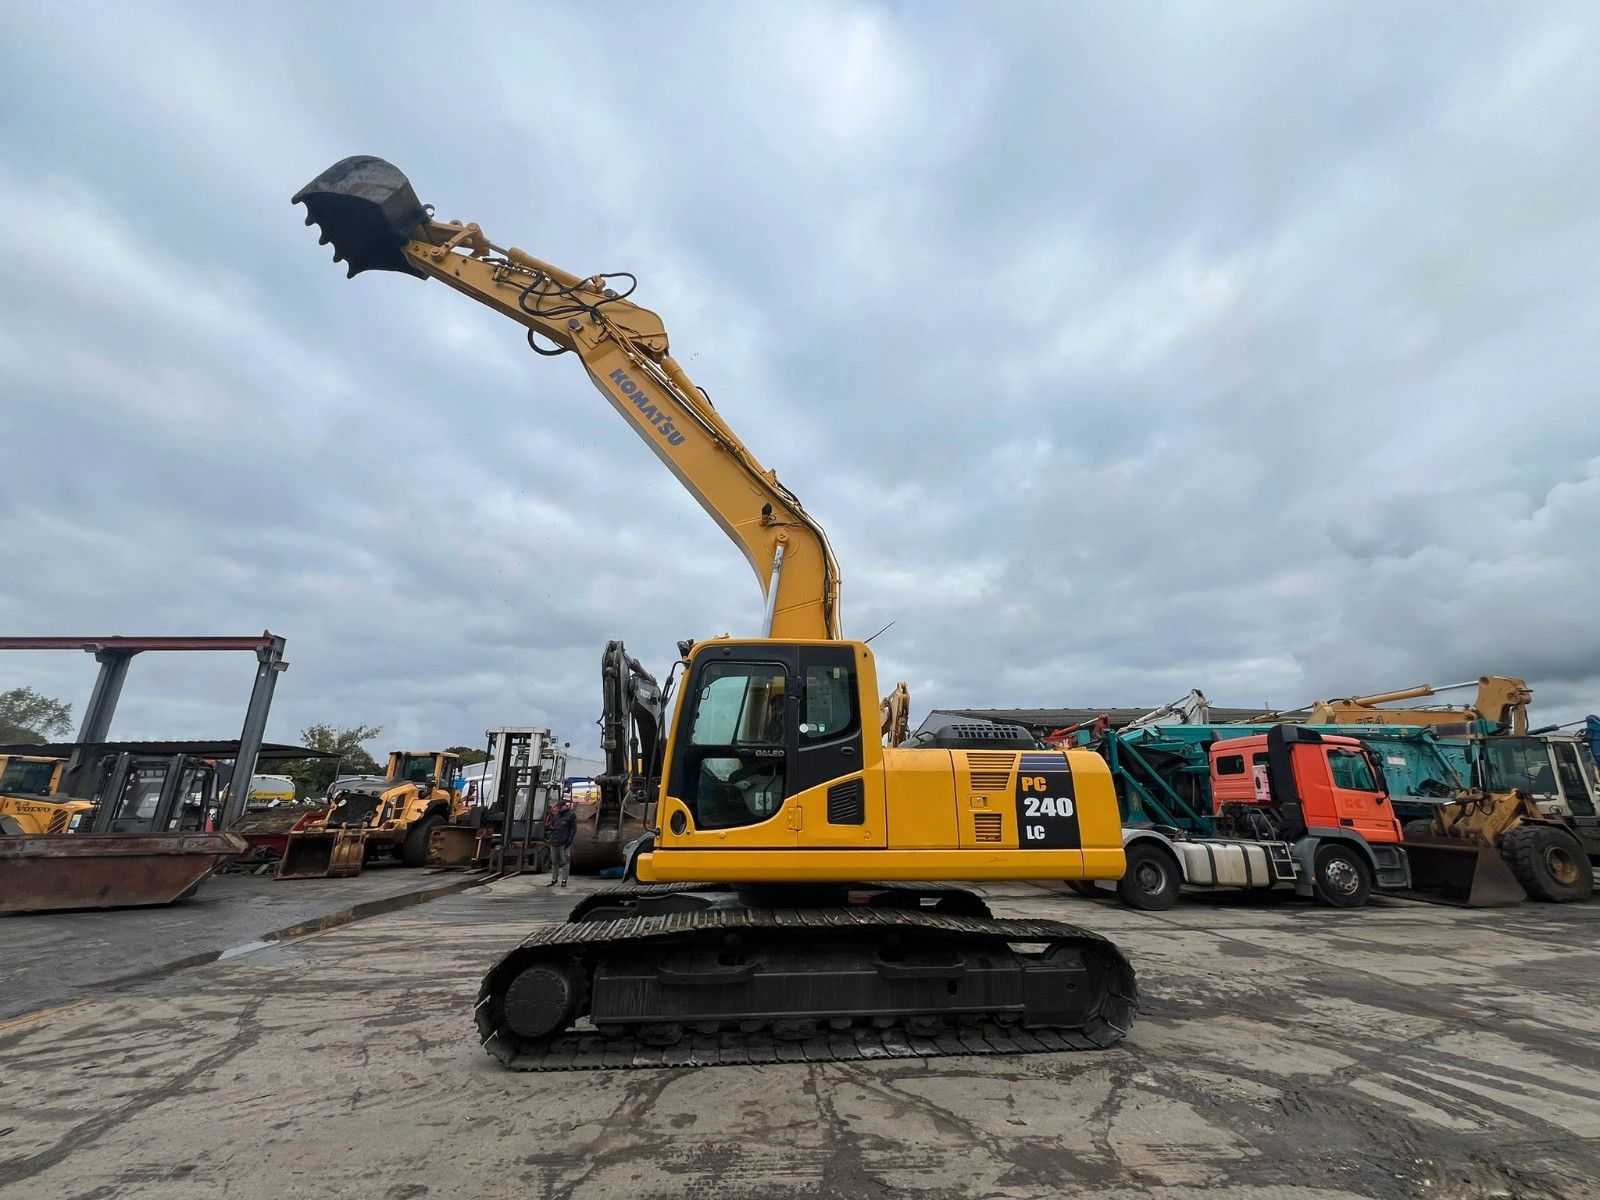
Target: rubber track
x=579 y=1050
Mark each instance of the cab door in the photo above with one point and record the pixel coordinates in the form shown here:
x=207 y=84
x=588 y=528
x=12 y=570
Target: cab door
x=1360 y=803
x=734 y=755
x=1577 y=789
x=838 y=793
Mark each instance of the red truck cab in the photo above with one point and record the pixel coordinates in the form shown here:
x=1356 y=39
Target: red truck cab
x=1331 y=782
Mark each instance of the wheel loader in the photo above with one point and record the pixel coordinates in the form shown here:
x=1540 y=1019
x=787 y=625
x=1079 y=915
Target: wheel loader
x=28 y=800
x=1529 y=826
x=391 y=819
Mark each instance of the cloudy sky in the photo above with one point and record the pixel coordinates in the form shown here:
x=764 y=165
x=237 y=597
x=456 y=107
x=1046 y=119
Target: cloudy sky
x=1120 y=349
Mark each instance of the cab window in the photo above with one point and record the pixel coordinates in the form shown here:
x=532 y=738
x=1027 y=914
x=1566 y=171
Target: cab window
x=417 y=768
x=1520 y=764
x=734 y=770
x=1351 y=771
x=740 y=704
x=830 y=709
x=1230 y=764
x=1574 y=783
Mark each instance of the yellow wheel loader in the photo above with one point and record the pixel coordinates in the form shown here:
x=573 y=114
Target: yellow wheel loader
x=28 y=800
x=761 y=938
x=1531 y=827
x=391 y=819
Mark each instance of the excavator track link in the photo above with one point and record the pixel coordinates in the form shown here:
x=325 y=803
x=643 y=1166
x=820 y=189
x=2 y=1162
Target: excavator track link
x=591 y=1052
x=583 y=948
x=643 y=899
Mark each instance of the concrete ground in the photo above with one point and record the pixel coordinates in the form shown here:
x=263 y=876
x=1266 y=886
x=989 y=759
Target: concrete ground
x=227 y=913
x=1285 y=1050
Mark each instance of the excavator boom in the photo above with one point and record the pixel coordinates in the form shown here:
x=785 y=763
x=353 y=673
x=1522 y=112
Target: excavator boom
x=369 y=212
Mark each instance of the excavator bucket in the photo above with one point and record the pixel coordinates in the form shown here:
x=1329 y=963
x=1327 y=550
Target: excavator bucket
x=365 y=207
x=1456 y=871
x=323 y=854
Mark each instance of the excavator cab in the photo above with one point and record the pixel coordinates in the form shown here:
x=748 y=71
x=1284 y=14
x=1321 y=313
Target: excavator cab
x=768 y=756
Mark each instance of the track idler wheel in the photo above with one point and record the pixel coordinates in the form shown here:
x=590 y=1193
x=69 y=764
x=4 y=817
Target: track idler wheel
x=543 y=1000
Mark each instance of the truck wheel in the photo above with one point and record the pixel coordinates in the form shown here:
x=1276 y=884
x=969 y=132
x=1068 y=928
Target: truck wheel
x=1151 y=881
x=1342 y=878
x=1549 y=863
x=1083 y=888
x=1420 y=827
x=414 y=850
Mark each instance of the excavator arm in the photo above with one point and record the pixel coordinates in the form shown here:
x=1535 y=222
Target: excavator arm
x=367 y=209
x=1501 y=700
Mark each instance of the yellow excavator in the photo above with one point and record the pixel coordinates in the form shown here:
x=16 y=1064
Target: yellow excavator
x=756 y=937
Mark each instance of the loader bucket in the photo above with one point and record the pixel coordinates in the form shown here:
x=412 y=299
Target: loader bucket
x=323 y=854
x=365 y=207
x=1456 y=871
x=452 y=846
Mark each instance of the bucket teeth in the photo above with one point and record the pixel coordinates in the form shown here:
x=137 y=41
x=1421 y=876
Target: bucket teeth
x=365 y=208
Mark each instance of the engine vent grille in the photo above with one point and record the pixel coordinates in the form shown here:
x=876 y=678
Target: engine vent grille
x=990 y=769
x=988 y=827
x=846 y=804
x=354 y=810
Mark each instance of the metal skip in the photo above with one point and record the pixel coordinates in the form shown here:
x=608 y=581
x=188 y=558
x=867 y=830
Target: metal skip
x=1461 y=872
x=110 y=870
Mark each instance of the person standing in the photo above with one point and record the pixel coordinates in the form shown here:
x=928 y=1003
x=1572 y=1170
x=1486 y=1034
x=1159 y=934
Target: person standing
x=563 y=832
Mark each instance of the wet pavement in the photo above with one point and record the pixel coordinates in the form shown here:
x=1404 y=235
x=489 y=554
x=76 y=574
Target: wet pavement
x=1285 y=1050
x=228 y=912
